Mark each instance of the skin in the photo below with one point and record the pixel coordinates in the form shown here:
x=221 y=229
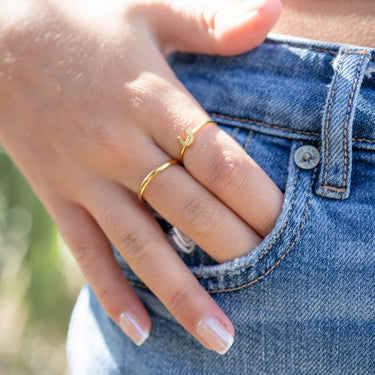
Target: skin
x=339 y=21
x=89 y=107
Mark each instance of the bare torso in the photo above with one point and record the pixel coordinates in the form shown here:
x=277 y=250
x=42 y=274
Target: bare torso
x=341 y=21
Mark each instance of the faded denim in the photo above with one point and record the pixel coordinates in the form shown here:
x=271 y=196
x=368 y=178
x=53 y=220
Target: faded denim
x=302 y=302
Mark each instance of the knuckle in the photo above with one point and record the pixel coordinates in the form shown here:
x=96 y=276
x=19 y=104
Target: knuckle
x=202 y=216
x=228 y=173
x=106 y=145
x=109 y=221
x=134 y=244
x=100 y=134
x=146 y=91
x=85 y=258
x=179 y=299
x=143 y=90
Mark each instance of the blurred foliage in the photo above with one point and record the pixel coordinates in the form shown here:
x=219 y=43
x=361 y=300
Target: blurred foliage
x=39 y=281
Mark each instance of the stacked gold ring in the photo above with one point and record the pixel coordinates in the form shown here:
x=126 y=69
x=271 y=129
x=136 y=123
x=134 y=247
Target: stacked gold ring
x=184 y=143
x=151 y=175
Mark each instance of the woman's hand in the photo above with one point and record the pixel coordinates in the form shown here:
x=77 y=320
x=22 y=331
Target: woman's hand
x=89 y=107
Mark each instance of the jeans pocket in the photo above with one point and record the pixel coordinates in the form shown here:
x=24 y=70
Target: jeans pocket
x=275 y=156
x=288 y=230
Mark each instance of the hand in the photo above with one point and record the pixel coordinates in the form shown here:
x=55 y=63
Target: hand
x=89 y=107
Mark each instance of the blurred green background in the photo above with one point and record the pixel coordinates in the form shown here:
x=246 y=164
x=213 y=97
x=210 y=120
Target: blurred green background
x=39 y=282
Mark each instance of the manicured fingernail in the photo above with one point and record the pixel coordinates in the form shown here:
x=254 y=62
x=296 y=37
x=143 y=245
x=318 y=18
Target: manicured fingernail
x=131 y=325
x=215 y=334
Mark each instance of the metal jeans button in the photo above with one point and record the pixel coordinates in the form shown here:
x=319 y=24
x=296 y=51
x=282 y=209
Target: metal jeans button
x=307 y=157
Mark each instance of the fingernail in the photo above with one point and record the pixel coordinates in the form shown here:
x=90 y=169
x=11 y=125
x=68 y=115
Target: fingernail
x=131 y=325
x=237 y=14
x=215 y=334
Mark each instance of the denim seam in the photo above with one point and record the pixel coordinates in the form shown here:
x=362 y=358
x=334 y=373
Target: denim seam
x=261 y=124
x=301 y=46
x=346 y=123
x=272 y=244
x=289 y=214
x=235 y=132
x=283 y=256
x=143 y=286
x=246 y=145
x=361 y=53
x=290 y=44
x=247 y=121
x=326 y=187
x=363 y=140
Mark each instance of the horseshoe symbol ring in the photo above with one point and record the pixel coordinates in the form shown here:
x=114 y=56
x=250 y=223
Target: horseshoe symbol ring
x=190 y=138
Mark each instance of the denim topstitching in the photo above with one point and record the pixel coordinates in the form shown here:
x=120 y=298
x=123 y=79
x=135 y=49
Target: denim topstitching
x=283 y=256
x=326 y=187
x=235 y=131
x=143 y=286
x=199 y=276
x=278 y=127
x=246 y=145
x=296 y=45
x=347 y=120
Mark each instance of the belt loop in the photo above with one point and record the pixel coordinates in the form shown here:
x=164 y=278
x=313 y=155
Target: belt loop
x=337 y=126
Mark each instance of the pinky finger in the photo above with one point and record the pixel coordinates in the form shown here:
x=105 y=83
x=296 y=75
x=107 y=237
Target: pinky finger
x=93 y=254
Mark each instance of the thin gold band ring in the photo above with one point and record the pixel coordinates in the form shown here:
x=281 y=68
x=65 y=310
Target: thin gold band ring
x=190 y=138
x=151 y=175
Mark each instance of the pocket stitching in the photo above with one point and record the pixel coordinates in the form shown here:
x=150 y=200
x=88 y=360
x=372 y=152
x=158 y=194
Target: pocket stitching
x=199 y=276
x=143 y=286
x=283 y=256
x=277 y=127
x=246 y=145
x=246 y=121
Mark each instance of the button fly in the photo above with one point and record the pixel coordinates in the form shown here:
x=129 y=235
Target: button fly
x=307 y=157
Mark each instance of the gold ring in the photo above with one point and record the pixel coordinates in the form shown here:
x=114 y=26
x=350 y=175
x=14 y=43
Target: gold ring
x=190 y=138
x=151 y=175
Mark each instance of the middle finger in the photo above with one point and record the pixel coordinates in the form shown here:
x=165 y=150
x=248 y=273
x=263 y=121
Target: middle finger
x=220 y=164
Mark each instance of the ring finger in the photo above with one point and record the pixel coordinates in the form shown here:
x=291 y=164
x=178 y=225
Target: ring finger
x=198 y=213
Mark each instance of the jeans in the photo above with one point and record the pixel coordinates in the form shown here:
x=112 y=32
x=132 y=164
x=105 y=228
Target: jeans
x=303 y=301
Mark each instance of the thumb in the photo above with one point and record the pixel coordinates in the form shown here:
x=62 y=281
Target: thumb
x=224 y=27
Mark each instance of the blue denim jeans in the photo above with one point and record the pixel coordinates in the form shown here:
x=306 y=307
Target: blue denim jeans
x=303 y=301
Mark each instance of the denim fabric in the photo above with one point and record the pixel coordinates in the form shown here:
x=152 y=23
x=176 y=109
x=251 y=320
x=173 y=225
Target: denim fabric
x=337 y=126
x=303 y=301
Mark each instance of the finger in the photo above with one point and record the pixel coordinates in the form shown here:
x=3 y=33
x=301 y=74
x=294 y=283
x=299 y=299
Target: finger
x=214 y=159
x=223 y=27
x=93 y=254
x=133 y=231
x=222 y=166
x=201 y=213
x=186 y=204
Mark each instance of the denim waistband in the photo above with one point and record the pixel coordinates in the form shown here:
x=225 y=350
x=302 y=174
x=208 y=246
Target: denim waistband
x=282 y=87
